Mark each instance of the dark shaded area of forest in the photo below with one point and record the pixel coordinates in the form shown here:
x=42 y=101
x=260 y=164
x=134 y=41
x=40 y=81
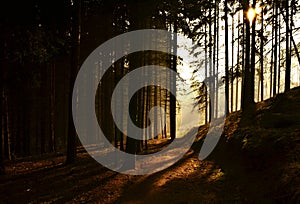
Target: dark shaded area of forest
x=253 y=62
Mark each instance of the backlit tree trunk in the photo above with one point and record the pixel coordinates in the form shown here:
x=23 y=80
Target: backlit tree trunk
x=226 y=59
x=288 y=61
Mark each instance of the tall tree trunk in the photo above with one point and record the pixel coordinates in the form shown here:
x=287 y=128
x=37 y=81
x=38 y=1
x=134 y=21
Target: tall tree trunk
x=2 y=170
x=173 y=84
x=206 y=73
x=247 y=99
x=75 y=60
x=226 y=59
x=210 y=82
x=116 y=105
x=149 y=100
x=262 y=56
x=42 y=113
x=253 y=54
x=279 y=55
x=243 y=60
x=167 y=106
x=160 y=111
x=121 y=102
x=288 y=62
x=7 y=130
x=238 y=66
x=272 y=56
x=232 y=61
x=52 y=144
x=216 y=61
x=155 y=104
x=275 y=49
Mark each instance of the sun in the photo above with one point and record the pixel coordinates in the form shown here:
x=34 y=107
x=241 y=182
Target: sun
x=251 y=14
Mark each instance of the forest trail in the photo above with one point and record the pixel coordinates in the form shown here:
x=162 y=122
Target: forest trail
x=255 y=161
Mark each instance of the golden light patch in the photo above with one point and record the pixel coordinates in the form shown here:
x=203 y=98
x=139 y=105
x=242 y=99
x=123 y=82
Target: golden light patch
x=251 y=14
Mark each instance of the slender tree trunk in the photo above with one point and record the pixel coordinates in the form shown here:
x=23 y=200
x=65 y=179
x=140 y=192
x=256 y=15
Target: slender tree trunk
x=7 y=130
x=275 y=49
x=214 y=62
x=155 y=104
x=253 y=54
x=288 y=62
x=166 y=105
x=211 y=99
x=232 y=65
x=52 y=144
x=42 y=118
x=2 y=170
x=279 y=55
x=226 y=59
x=272 y=56
x=140 y=103
x=146 y=98
x=206 y=73
x=2 y=84
x=237 y=67
x=160 y=111
x=121 y=109
x=149 y=100
x=173 y=83
x=217 y=57
x=262 y=56
x=76 y=32
x=243 y=61
x=247 y=100
x=116 y=105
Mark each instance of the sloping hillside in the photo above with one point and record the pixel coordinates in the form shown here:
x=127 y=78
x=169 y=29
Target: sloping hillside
x=262 y=150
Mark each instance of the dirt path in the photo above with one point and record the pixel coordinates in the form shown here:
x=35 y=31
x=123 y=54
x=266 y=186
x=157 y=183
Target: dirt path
x=87 y=181
x=260 y=164
x=189 y=181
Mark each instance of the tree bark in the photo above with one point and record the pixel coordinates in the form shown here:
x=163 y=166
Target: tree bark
x=253 y=53
x=75 y=60
x=275 y=48
x=262 y=56
x=173 y=84
x=215 y=67
x=226 y=59
x=288 y=62
x=247 y=98
x=2 y=170
x=217 y=59
x=237 y=67
x=205 y=72
x=232 y=65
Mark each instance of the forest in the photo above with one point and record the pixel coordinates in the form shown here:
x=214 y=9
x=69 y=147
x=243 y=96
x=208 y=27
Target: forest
x=227 y=66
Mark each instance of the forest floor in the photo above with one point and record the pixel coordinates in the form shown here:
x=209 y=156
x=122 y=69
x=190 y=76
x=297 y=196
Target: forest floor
x=255 y=161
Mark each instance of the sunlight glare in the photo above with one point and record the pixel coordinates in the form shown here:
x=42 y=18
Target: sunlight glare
x=251 y=14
